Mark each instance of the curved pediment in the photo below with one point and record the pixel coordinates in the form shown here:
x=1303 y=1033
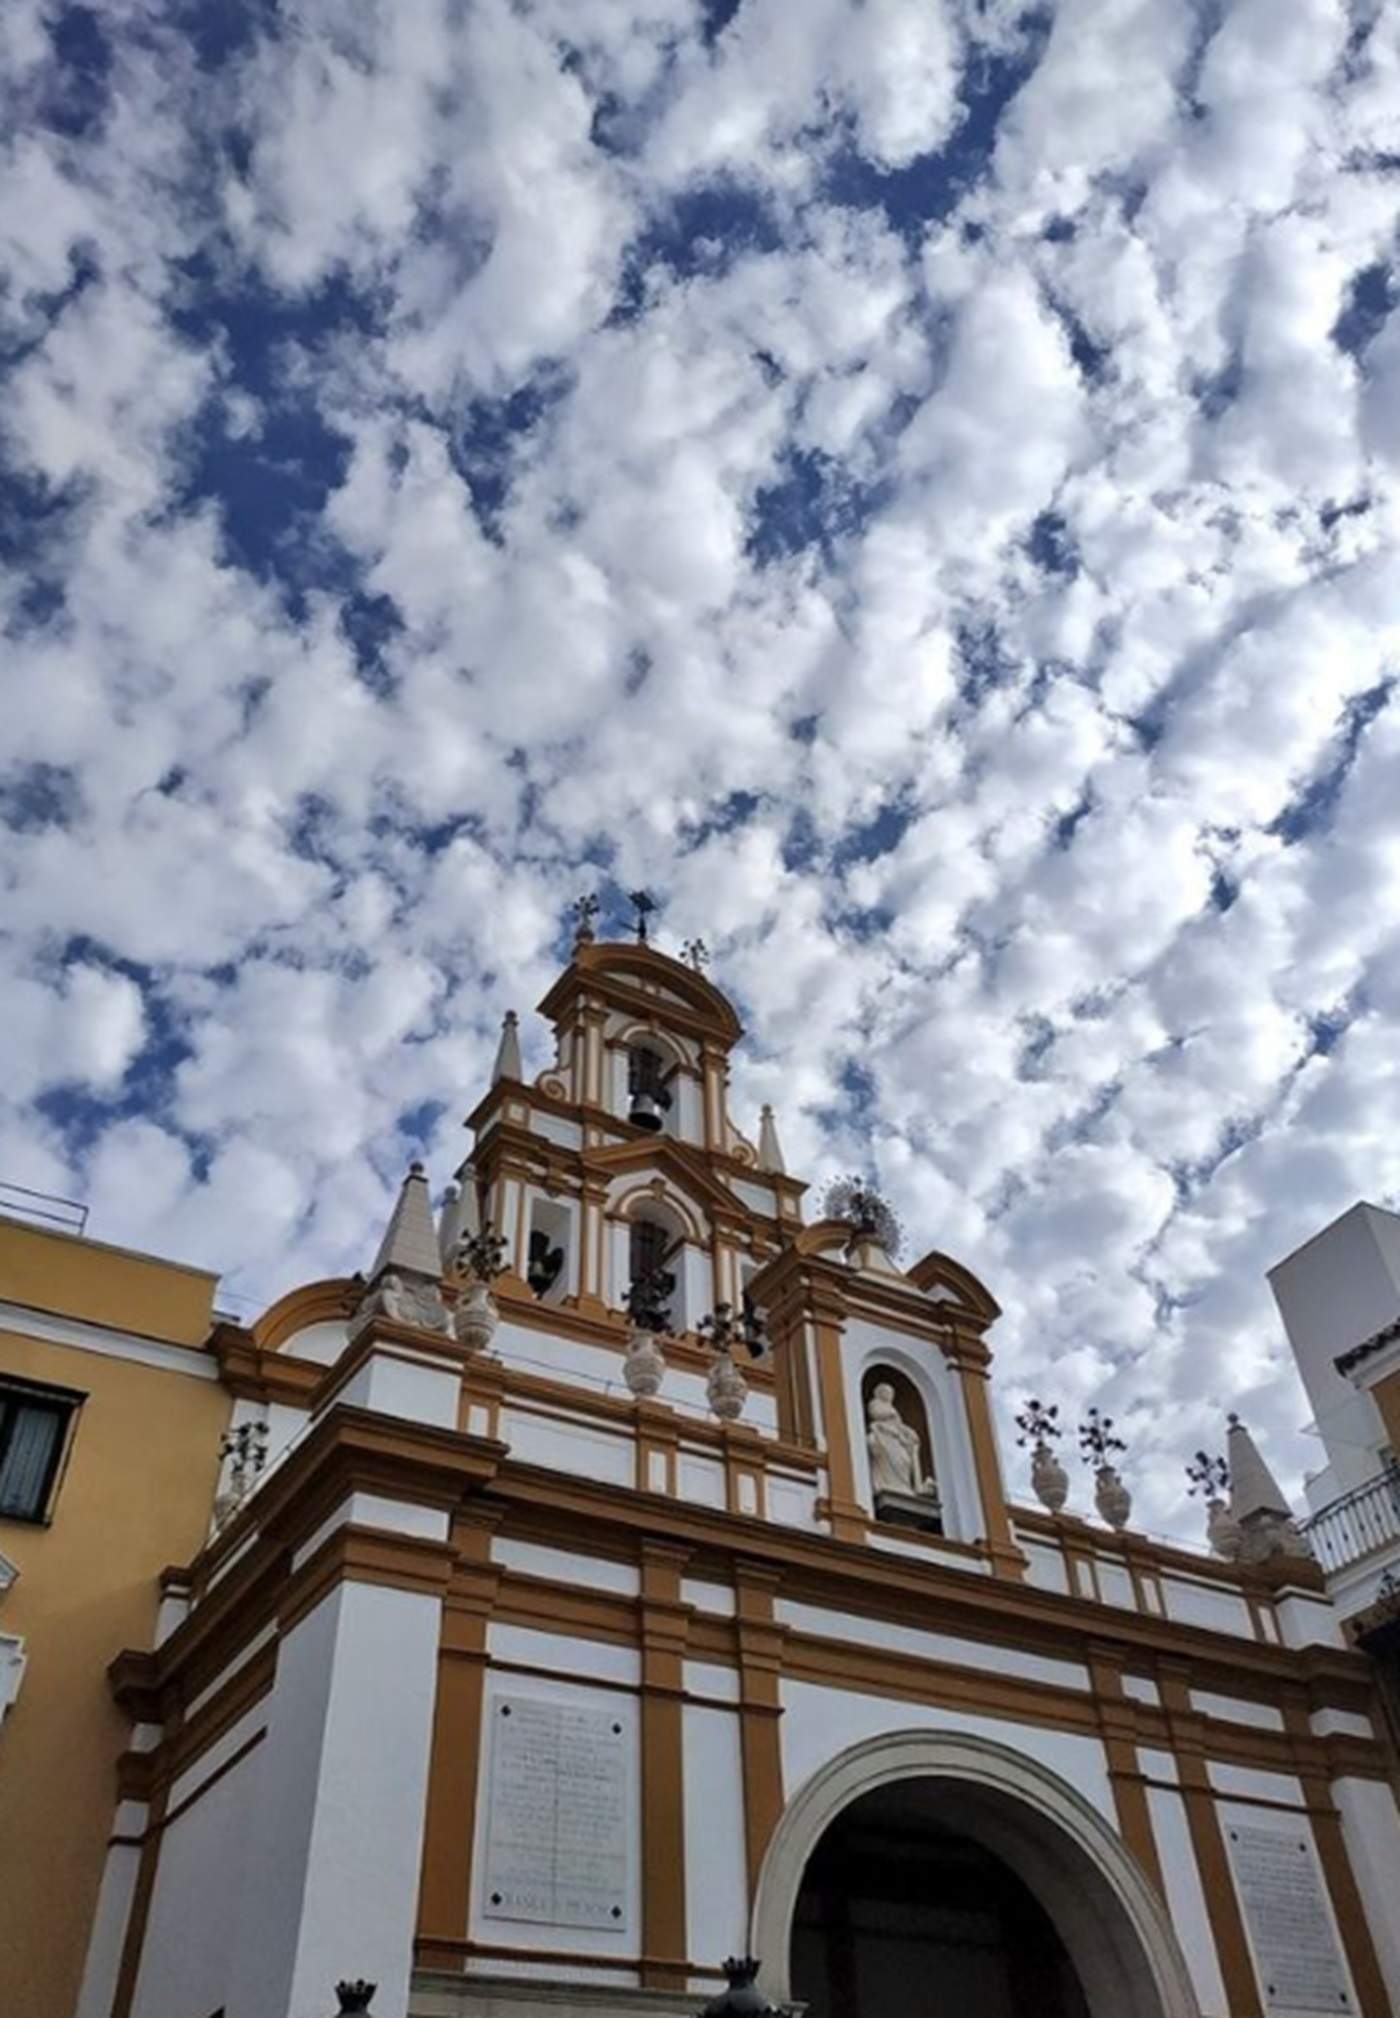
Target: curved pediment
x=652 y=977
x=944 y=1280
x=310 y=1303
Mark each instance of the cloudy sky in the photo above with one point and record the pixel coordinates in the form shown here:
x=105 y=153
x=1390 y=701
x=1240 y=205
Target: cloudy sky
x=916 y=483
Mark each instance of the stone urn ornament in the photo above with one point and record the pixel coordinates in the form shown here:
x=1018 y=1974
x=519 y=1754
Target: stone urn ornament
x=1098 y=1446
x=649 y=1320
x=1040 y=1428
x=644 y=1367
x=725 y=1386
x=481 y=1258
x=741 y=1996
x=1210 y=1480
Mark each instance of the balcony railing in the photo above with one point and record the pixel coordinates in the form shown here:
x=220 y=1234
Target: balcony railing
x=1361 y=1522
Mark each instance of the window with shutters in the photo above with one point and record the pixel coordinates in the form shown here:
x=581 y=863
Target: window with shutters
x=35 y=1425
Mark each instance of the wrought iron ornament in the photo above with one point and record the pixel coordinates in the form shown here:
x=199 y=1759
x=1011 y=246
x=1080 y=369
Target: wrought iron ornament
x=1097 y=1442
x=696 y=955
x=644 y=904
x=1208 y=1476
x=649 y=1299
x=1038 y=1424
x=860 y=1205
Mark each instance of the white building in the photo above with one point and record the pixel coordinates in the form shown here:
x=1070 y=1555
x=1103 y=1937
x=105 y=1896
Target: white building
x=1339 y=1292
x=515 y=1686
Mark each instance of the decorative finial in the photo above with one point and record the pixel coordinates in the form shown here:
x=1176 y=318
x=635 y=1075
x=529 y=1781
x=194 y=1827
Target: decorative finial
x=1040 y=1428
x=1038 y=1424
x=1098 y=1446
x=644 y=904
x=1208 y=1476
x=770 y=1150
x=741 y=1996
x=1097 y=1442
x=696 y=955
x=725 y=1386
x=585 y=911
x=508 y=1063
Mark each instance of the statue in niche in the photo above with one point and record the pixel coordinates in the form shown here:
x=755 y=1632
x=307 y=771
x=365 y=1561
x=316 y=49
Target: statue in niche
x=896 y=1458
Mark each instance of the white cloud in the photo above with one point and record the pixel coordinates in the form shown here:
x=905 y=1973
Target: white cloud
x=963 y=618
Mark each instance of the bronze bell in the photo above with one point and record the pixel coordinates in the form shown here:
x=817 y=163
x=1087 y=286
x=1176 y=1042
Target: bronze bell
x=645 y=1111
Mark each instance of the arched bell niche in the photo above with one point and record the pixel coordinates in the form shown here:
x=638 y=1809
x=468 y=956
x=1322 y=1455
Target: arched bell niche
x=910 y=1506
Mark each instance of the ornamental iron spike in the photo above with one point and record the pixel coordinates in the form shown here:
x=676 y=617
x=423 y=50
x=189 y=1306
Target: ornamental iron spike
x=1097 y=1441
x=644 y=904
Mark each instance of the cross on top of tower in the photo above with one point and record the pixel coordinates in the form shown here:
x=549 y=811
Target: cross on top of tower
x=644 y=904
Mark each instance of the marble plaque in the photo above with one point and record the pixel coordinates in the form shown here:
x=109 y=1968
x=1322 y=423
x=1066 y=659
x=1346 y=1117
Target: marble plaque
x=1290 y=1928
x=556 y=1828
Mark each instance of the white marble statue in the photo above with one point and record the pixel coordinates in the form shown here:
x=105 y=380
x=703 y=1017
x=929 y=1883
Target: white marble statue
x=896 y=1461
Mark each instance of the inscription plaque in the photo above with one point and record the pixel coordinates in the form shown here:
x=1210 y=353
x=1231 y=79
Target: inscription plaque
x=556 y=1829
x=1295 y=1947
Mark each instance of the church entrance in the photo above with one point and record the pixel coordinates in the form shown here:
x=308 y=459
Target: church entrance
x=901 y=1914
x=941 y=1874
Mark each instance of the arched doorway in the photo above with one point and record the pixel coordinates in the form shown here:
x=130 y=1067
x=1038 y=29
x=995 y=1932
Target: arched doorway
x=977 y=1861
x=902 y=1914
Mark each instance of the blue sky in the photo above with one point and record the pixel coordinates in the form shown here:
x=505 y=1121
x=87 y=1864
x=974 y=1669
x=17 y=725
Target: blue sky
x=914 y=484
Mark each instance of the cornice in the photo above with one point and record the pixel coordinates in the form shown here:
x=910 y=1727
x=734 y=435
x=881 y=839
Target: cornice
x=821 y=1570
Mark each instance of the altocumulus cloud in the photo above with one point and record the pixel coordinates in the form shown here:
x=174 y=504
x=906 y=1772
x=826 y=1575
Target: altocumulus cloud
x=914 y=483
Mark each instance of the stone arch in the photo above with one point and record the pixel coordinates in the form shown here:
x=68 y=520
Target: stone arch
x=1103 y=1907
x=665 y=1206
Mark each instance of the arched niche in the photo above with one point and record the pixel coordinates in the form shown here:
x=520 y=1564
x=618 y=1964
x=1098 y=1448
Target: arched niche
x=935 y=1383
x=676 y=1068
x=1125 y=1957
x=909 y=1401
x=650 y=1221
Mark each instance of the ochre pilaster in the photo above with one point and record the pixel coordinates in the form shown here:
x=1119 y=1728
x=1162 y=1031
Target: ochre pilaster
x=759 y=1642
x=664 y=1621
x=1118 y=1726
x=454 y=1773
x=1208 y=1843
x=971 y=1359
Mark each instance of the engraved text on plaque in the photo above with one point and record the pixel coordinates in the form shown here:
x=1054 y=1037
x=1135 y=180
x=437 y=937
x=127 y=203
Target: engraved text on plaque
x=1290 y=1928
x=556 y=1830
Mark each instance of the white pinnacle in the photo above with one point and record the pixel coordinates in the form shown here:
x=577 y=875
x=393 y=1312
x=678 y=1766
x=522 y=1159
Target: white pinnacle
x=770 y=1150
x=508 y=1061
x=410 y=1246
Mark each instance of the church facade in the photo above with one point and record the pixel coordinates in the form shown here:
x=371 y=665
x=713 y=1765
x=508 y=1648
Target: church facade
x=622 y=1575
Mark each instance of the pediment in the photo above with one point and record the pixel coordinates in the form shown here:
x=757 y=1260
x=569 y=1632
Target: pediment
x=643 y=976
x=681 y=1165
x=946 y=1281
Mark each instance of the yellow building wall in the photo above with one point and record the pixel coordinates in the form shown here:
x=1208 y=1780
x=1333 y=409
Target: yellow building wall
x=74 y=1277
x=1386 y=1396
x=135 y=1495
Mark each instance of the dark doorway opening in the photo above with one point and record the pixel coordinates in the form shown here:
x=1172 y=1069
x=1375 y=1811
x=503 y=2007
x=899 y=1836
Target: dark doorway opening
x=903 y=1915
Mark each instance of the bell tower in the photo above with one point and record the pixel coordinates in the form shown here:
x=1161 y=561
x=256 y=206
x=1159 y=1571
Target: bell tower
x=622 y=1157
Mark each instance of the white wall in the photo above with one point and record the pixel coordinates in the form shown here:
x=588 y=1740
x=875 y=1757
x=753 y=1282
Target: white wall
x=1371 y=1832
x=885 y=1635
x=334 y=1843
x=819 y=1722
x=716 y=1882
x=1337 y=1289
x=1186 y=1899
x=194 y=1909
x=1194 y=1604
